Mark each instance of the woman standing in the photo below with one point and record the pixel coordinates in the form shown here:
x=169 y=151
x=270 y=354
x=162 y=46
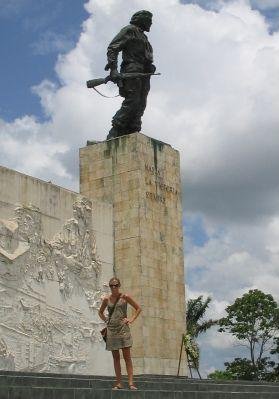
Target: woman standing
x=118 y=330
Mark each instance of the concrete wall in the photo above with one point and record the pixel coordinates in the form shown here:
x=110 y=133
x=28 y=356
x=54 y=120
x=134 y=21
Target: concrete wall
x=55 y=260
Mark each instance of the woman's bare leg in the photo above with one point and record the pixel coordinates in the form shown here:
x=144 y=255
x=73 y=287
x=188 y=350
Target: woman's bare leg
x=117 y=366
x=129 y=365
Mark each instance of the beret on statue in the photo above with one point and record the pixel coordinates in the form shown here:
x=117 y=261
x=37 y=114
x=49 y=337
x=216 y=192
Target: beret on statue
x=139 y=15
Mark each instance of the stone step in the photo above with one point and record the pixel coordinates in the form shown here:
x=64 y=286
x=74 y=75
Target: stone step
x=16 y=385
x=90 y=381
x=204 y=380
x=143 y=384
x=140 y=377
x=87 y=393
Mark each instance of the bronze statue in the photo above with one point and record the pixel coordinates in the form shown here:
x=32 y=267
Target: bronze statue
x=135 y=71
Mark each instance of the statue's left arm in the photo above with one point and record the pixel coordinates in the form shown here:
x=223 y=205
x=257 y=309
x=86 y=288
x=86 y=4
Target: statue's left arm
x=117 y=44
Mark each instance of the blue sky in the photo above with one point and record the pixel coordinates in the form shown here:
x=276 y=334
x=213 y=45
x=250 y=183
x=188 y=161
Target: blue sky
x=33 y=33
x=216 y=102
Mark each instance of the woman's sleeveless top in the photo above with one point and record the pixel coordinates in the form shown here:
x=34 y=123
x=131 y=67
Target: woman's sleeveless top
x=119 y=335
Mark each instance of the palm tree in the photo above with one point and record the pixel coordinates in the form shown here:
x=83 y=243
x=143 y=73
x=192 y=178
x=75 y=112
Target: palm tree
x=195 y=312
x=195 y=325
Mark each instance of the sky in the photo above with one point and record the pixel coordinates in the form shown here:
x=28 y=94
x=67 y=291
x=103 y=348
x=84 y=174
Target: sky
x=217 y=102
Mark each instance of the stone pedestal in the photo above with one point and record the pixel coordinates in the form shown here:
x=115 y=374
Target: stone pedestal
x=140 y=177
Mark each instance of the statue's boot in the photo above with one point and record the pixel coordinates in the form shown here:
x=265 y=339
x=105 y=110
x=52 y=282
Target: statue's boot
x=92 y=142
x=113 y=133
x=118 y=132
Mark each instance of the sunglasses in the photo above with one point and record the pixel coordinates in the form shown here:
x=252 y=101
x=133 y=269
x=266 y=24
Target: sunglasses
x=114 y=285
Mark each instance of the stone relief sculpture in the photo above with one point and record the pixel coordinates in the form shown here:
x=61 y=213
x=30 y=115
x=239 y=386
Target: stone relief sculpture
x=50 y=291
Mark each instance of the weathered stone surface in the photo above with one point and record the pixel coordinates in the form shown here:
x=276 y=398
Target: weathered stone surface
x=55 y=255
x=51 y=386
x=140 y=177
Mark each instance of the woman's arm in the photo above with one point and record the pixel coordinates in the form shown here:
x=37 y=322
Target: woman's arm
x=137 y=308
x=102 y=309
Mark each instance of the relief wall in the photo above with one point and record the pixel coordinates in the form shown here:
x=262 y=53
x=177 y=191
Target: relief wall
x=50 y=292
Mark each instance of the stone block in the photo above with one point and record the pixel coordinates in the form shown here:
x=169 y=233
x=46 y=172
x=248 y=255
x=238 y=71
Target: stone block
x=147 y=216
x=4 y=392
x=63 y=393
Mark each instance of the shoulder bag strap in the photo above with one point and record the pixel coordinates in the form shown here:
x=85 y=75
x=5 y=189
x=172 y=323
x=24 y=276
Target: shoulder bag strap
x=113 y=308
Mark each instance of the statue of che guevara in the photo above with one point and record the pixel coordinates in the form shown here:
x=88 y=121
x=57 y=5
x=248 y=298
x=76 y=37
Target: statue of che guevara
x=137 y=58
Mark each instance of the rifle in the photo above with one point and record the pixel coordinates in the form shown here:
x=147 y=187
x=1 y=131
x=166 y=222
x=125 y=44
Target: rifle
x=91 y=84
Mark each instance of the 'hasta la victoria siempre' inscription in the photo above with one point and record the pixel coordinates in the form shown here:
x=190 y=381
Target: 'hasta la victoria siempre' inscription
x=158 y=183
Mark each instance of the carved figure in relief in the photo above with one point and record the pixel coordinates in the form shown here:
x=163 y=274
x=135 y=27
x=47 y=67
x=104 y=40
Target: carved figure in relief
x=6 y=358
x=75 y=244
x=3 y=348
x=29 y=223
x=28 y=308
x=27 y=263
x=67 y=345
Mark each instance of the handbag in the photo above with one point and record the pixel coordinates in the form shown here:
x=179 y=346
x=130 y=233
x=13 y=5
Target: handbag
x=104 y=331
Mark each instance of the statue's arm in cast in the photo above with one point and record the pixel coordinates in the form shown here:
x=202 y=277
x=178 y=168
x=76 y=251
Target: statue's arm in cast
x=102 y=309
x=135 y=305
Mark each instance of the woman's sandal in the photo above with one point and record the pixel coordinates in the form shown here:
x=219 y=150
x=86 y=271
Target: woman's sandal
x=133 y=388
x=116 y=387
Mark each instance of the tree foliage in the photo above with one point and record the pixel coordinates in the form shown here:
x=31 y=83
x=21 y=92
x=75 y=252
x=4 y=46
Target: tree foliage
x=195 y=324
x=196 y=309
x=244 y=369
x=253 y=319
x=221 y=375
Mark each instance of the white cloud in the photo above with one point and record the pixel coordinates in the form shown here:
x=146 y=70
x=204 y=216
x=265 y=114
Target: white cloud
x=27 y=146
x=219 y=340
x=238 y=260
x=217 y=4
x=52 y=42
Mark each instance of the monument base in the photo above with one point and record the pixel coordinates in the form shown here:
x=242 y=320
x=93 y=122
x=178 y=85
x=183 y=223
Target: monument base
x=140 y=177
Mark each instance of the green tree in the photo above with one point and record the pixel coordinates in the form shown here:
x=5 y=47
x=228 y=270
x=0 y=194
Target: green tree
x=274 y=375
x=244 y=369
x=253 y=320
x=221 y=375
x=195 y=324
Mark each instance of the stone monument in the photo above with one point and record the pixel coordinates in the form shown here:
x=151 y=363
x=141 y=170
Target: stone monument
x=140 y=177
x=59 y=248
